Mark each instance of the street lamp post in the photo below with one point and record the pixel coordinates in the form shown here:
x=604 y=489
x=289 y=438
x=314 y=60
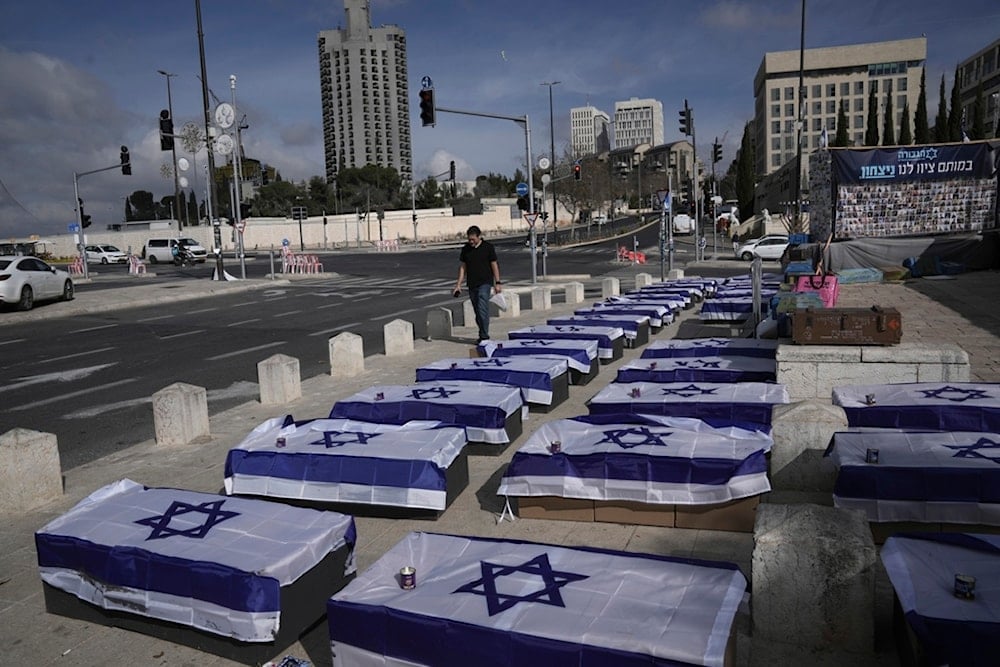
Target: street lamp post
x=220 y=271
x=173 y=150
x=552 y=154
x=801 y=121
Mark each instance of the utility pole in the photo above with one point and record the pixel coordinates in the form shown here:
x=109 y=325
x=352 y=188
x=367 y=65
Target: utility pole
x=220 y=271
x=801 y=121
x=552 y=154
x=173 y=150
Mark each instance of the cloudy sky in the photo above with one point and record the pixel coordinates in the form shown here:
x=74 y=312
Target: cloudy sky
x=78 y=79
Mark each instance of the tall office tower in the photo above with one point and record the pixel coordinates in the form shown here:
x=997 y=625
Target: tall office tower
x=588 y=130
x=832 y=74
x=982 y=68
x=638 y=122
x=363 y=80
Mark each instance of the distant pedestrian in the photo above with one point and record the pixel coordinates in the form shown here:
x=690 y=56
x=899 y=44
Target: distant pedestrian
x=478 y=267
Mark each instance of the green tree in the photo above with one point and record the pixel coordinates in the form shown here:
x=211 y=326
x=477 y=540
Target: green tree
x=128 y=210
x=888 y=122
x=871 y=125
x=368 y=186
x=143 y=206
x=922 y=133
x=905 y=136
x=192 y=209
x=428 y=194
x=941 y=120
x=978 y=114
x=840 y=139
x=955 y=112
x=320 y=196
x=745 y=174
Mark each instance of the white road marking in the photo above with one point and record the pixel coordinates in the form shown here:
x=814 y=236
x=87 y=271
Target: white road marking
x=342 y=326
x=80 y=331
x=238 y=389
x=72 y=394
x=58 y=376
x=236 y=324
x=245 y=303
x=245 y=351
x=200 y=310
x=16 y=340
x=329 y=305
x=290 y=312
x=153 y=319
x=78 y=354
x=183 y=333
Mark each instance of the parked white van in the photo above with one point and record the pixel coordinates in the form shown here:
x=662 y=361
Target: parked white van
x=162 y=249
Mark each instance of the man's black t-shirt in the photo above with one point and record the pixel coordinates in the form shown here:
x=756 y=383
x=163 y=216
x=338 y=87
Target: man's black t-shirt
x=477 y=263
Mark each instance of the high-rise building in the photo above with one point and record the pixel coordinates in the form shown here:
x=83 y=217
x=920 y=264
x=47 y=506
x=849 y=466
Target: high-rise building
x=983 y=67
x=588 y=130
x=638 y=122
x=363 y=83
x=831 y=75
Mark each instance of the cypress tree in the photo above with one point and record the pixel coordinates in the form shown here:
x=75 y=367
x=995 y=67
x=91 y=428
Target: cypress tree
x=840 y=139
x=745 y=173
x=888 y=122
x=955 y=111
x=922 y=133
x=978 y=115
x=941 y=122
x=905 y=138
x=871 y=125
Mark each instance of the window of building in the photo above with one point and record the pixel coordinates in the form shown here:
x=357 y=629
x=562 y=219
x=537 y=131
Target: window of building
x=845 y=89
x=776 y=127
x=816 y=142
x=775 y=95
x=775 y=143
x=859 y=104
x=859 y=87
x=901 y=84
x=831 y=123
x=831 y=106
x=789 y=109
x=859 y=121
x=817 y=91
x=859 y=138
x=776 y=160
x=901 y=101
x=817 y=124
x=775 y=110
x=817 y=108
x=789 y=93
x=873 y=86
x=789 y=126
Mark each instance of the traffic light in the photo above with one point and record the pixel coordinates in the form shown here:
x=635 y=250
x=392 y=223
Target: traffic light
x=576 y=171
x=126 y=162
x=166 y=131
x=84 y=218
x=245 y=210
x=689 y=191
x=716 y=153
x=685 y=120
x=265 y=177
x=427 y=106
x=451 y=171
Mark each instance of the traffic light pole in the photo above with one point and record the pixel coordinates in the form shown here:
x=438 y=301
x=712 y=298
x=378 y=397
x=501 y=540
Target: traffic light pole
x=220 y=270
x=79 y=212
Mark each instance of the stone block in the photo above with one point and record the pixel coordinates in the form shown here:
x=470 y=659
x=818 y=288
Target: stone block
x=439 y=323
x=279 y=379
x=610 y=287
x=813 y=573
x=398 y=336
x=541 y=298
x=829 y=376
x=180 y=414
x=30 y=472
x=347 y=355
x=468 y=314
x=674 y=274
x=574 y=293
x=844 y=354
x=643 y=280
x=799 y=379
x=916 y=353
x=943 y=372
x=801 y=433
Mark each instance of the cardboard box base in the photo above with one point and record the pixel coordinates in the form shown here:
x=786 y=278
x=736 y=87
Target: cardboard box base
x=884 y=530
x=641 y=336
x=737 y=515
x=513 y=426
x=303 y=605
x=560 y=392
x=633 y=513
x=617 y=350
x=578 y=378
x=554 y=507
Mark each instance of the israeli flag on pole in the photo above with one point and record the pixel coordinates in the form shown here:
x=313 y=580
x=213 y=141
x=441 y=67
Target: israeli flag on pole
x=824 y=141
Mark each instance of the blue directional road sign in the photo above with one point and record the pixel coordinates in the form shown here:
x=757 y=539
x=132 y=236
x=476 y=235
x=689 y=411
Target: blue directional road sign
x=522 y=189
x=73 y=227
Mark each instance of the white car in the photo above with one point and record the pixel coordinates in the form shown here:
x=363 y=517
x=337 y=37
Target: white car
x=771 y=246
x=24 y=280
x=105 y=254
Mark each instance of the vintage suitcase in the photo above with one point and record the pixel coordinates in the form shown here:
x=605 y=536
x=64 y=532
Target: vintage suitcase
x=847 y=326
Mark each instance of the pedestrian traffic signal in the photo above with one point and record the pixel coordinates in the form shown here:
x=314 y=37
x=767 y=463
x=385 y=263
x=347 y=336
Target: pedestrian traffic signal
x=451 y=171
x=576 y=171
x=166 y=131
x=427 y=106
x=685 y=120
x=716 y=153
x=126 y=162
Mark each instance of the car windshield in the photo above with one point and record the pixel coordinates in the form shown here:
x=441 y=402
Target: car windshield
x=4 y=263
x=109 y=248
x=189 y=242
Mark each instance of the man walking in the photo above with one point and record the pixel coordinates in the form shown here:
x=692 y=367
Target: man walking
x=478 y=267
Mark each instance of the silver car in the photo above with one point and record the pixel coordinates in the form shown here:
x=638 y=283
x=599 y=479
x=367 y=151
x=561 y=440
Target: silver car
x=105 y=254
x=24 y=280
x=771 y=246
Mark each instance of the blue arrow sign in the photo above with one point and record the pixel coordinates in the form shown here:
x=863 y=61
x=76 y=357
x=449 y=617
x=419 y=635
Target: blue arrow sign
x=73 y=227
x=522 y=189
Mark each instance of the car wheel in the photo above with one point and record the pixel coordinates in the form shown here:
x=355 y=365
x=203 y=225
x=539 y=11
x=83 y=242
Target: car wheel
x=104 y=260
x=27 y=299
x=747 y=256
x=67 y=294
x=152 y=259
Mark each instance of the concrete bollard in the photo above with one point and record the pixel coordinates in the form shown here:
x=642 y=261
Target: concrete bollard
x=398 y=336
x=279 y=379
x=801 y=433
x=674 y=274
x=180 y=414
x=610 y=287
x=439 y=324
x=541 y=298
x=30 y=472
x=347 y=355
x=513 y=307
x=574 y=293
x=468 y=314
x=813 y=585
x=643 y=280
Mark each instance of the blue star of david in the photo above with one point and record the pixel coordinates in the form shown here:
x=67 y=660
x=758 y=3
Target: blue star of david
x=643 y=436
x=569 y=328
x=975 y=450
x=542 y=343
x=497 y=602
x=341 y=438
x=482 y=363
x=688 y=391
x=955 y=394
x=433 y=392
x=709 y=342
x=214 y=514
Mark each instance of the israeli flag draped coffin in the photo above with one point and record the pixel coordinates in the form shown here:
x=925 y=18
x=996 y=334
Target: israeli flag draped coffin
x=482 y=408
x=342 y=460
x=488 y=602
x=711 y=347
x=719 y=404
x=604 y=335
x=674 y=299
x=732 y=308
x=950 y=406
x=577 y=353
x=532 y=376
x=658 y=460
x=658 y=315
x=213 y=563
x=951 y=477
x=629 y=324
x=951 y=630
x=702 y=369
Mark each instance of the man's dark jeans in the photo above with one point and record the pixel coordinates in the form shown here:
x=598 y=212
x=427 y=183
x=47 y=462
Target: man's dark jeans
x=480 y=298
